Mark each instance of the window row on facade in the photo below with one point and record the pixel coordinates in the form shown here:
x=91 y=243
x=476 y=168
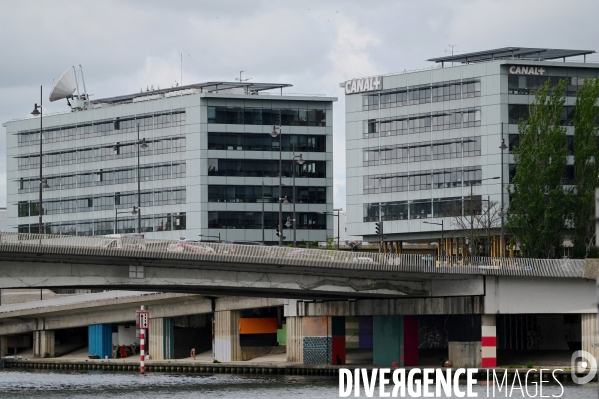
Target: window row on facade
x=267 y=116
x=422 y=94
x=266 y=194
x=99 y=202
x=529 y=84
x=422 y=180
x=98 y=227
x=264 y=142
x=422 y=209
x=522 y=111
x=107 y=127
x=422 y=151
x=425 y=122
x=253 y=220
x=103 y=153
x=105 y=177
x=265 y=168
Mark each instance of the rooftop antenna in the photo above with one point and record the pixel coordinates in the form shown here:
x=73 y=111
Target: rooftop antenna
x=452 y=46
x=241 y=79
x=86 y=103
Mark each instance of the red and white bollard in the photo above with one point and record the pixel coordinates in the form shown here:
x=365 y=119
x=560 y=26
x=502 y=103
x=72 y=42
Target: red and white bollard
x=142 y=351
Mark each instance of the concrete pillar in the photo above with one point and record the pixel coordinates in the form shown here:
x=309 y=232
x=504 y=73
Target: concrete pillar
x=295 y=339
x=3 y=345
x=488 y=341
x=338 y=340
x=352 y=332
x=590 y=334
x=161 y=337
x=410 y=340
x=43 y=343
x=323 y=340
x=388 y=340
x=100 y=340
x=226 y=336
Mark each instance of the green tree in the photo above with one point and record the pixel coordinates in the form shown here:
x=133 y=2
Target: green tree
x=538 y=202
x=331 y=243
x=586 y=168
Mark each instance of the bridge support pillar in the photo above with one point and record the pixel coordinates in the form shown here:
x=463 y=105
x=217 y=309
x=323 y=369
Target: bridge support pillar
x=100 y=340
x=295 y=339
x=470 y=346
x=226 y=336
x=395 y=339
x=43 y=343
x=3 y=346
x=322 y=340
x=161 y=338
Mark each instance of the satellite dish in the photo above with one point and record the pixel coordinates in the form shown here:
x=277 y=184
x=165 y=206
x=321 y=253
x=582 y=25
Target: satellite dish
x=65 y=86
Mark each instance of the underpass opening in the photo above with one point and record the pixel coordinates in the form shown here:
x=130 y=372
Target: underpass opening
x=539 y=339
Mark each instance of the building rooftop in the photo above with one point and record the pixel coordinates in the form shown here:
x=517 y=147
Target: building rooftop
x=208 y=87
x=512 y=53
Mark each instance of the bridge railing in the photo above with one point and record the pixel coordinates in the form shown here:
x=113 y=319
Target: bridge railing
x=292 y=258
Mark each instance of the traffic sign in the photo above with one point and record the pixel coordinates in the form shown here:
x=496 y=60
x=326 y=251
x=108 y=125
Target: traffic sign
x=144 y=320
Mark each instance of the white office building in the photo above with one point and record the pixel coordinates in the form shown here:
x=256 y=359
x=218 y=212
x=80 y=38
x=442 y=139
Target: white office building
x=208 y=165
x=420 y=143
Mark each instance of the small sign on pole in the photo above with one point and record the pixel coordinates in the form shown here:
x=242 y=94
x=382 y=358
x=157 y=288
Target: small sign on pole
x=143 y=321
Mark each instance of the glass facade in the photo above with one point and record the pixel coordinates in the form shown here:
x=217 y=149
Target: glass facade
x=267 y=116
x=126 y=224
x=264 y=168
x=254 y=194
x=422 y=180
x=423 y=208
x=253 y=220
x=263 y=142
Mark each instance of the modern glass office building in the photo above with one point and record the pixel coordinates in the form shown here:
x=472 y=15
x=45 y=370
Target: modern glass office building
x=421 y=143
x=209 y=165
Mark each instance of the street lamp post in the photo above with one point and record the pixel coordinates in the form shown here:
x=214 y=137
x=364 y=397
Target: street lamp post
x=442 y=235
x=472 y=208
x=143 y=145
x=139 y=144
x=134 y=211
x=300 y=161
x=43 y=183
x=338 y=214
x=279 y=134
x=502 y=147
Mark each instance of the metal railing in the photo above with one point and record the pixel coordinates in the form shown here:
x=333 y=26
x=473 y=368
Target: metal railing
x=221 y=253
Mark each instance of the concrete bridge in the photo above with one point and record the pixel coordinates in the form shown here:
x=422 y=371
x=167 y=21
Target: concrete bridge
x=46 y=261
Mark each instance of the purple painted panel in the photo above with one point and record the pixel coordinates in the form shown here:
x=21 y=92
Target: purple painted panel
x=365 y=326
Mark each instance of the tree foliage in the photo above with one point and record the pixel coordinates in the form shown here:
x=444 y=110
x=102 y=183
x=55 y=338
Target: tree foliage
x=586 y=168
x=538 y=201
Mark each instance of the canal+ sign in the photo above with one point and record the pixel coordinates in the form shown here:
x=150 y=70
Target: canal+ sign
x=524 y=70
x=362 y=85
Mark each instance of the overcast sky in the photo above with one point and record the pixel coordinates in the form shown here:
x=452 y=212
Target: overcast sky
x=314 y=45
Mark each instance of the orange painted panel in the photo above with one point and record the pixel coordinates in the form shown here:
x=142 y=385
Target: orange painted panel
x=258 y=325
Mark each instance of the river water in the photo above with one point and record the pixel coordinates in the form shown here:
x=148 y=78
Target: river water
x=106 y=385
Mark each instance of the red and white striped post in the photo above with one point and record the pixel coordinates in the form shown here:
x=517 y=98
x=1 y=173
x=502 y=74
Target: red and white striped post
x=144 y=324
x=142 y=351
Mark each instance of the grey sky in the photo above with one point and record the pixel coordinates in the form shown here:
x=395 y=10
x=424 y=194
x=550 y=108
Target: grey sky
x=314 y=45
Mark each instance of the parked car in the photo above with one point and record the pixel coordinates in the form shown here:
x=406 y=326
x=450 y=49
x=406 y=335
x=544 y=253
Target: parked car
x=190 y=246
x=123 y=241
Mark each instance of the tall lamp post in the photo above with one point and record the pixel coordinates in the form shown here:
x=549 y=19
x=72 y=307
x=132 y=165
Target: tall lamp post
x=300 y=161
x=338 y=214
x=143 y=145
x=279 y=134
x=442 y=235
x=134 y=211
x=472 y=207
x=43 y=183
x=502 y=147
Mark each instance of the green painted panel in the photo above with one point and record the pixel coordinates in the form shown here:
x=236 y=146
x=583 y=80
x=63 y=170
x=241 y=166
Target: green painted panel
x=388 y=337
x=282 y=335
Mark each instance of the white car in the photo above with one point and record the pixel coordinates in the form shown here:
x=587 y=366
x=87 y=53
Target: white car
x=190 y=246
x=363 y=259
